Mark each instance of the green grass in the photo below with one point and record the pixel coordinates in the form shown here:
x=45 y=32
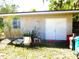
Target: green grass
x=36 y=52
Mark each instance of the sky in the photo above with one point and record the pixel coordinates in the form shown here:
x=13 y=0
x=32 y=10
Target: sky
x=28 y=5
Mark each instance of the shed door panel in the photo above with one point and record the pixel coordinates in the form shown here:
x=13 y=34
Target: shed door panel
x=56 y=29
x=60 y=27
x=50 y=29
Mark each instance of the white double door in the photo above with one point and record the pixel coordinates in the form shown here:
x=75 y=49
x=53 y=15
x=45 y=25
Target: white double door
x=55 y=29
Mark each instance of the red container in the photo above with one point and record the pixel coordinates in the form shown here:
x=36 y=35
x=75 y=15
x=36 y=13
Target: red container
x=68 y=40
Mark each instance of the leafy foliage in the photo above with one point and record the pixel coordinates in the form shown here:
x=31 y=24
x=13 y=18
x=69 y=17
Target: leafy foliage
x=27 y=34
x=63 y=5
x=1 y=25
x=76 y=17
x=7 y=8
x=33 y=9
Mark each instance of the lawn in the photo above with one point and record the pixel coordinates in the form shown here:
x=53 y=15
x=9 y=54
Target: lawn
x=48 y=51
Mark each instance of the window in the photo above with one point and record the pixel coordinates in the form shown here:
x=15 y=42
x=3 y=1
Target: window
x=16 y=23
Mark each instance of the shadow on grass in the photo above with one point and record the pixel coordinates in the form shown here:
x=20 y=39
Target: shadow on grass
x=49 y=45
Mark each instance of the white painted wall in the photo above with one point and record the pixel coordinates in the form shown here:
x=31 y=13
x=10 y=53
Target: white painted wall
x=28 y=22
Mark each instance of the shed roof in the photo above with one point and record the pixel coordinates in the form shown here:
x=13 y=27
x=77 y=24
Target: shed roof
x=40 y=12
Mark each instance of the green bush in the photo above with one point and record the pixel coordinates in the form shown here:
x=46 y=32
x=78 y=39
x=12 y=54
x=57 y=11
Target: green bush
x=27 y=34
x=1 y=30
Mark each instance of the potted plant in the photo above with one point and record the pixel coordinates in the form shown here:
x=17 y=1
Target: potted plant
x=27 y=38
x=34 y=36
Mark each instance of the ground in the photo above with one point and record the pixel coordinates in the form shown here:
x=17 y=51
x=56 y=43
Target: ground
x=43 y=51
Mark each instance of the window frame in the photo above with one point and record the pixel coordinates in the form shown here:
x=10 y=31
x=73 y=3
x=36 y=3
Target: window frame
x=16 y=23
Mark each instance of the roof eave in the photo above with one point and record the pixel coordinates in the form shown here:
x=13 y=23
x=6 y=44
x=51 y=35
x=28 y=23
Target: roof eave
x=40 y=13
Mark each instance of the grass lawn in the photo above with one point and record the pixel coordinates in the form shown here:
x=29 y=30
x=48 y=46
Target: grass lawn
x=36 y=52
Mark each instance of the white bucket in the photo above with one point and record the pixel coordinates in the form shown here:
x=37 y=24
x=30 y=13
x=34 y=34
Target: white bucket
x=27 y=40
